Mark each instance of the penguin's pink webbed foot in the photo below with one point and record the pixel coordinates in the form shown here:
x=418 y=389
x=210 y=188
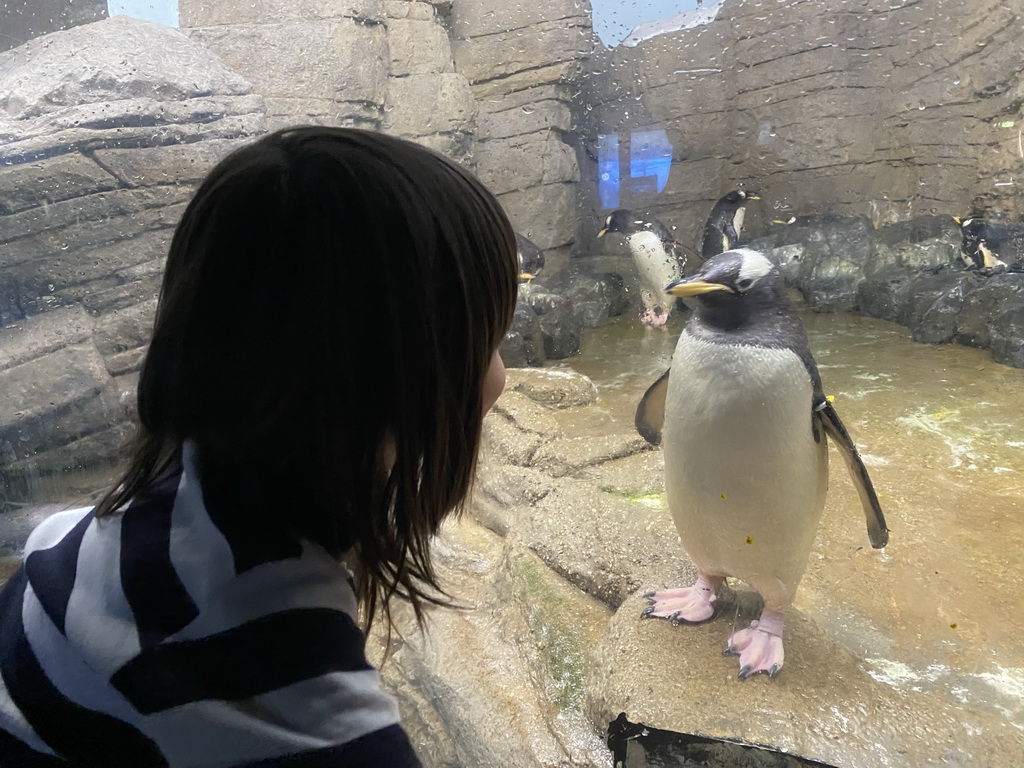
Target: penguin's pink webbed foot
x=690 y=604
x=759 y=646
x=655 y=317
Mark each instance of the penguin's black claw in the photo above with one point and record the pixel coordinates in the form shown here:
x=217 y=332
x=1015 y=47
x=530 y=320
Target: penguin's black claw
x=746 y=672
x=774 y=671
x=650 y=595
x=731 y=651
x=646 y=612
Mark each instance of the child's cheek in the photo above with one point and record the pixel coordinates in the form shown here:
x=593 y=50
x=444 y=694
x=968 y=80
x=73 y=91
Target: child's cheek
x=494 y=382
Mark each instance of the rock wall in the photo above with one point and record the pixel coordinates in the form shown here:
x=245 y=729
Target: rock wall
x=910 y=272
x=23 y=20
x=524 y=62
x=490 y=88
x=886 y=110
x=312 y=62
x=104 y=130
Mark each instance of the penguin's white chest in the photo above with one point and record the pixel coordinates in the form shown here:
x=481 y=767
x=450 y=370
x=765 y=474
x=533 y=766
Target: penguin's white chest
x=746 y=479
x=656 y=265
x=737 y=220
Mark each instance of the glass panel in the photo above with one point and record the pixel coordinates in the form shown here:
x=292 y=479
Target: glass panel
x=871 y=151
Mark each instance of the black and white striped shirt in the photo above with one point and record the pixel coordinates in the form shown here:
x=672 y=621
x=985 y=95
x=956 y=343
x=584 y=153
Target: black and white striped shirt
x=164 y=637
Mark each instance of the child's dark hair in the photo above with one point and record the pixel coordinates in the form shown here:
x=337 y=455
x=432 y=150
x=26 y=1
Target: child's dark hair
x=332 y=301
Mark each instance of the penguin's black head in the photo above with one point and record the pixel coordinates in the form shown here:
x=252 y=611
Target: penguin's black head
x=623 y=221
x=733 y=273
x=739 y=197
x=736 y=289
x=531 y=258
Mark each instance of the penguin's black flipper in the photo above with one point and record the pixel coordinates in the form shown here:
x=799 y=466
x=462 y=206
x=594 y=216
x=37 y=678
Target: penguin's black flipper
x=878 y=533
x=650 y=414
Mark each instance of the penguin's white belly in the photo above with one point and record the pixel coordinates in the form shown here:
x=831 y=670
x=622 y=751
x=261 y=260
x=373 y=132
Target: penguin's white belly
x=656 y=266
x=746 y=480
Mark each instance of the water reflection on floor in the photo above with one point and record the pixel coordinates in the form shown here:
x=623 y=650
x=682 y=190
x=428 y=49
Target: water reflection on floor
x=941 y=429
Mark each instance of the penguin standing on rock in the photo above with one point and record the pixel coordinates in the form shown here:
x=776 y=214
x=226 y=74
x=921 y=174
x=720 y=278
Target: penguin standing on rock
x=745 y=421
x=984 y=240
x=652 y=247
x=725 y=224
x=531 y=258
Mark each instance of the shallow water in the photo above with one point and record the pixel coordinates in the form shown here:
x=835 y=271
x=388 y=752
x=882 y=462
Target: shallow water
x=941 y=429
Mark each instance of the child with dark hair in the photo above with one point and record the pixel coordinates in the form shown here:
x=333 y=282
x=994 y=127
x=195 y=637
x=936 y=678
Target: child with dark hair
x=324 y=351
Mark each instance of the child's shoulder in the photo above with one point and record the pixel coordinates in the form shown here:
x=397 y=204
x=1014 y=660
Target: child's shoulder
x=56 y=527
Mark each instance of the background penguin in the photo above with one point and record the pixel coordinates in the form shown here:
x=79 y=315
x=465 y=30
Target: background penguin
x=989 y=244
x=746 y=460
x=724 y=225
x=531 y=258
x=652 y=247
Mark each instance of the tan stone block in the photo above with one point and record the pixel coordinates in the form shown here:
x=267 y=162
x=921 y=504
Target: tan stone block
x=338 y=60
x=528 y=118
x=506 y=53
x=521 y=162
x=174 y=164
x=51 y=180
x=471 y=18
x=41 y=334
x=419 y=105
x=419 y=47
x=203 y=13
x=546 y=215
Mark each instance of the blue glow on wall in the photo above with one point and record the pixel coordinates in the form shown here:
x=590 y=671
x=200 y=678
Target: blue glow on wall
x=608 y=170
x=650 y=162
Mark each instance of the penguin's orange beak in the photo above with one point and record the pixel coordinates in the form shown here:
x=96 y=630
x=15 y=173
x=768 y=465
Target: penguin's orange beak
x=694 y=288
x=601 y=233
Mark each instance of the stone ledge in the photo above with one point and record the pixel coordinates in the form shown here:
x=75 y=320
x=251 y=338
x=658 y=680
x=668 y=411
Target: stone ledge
x=824 y=706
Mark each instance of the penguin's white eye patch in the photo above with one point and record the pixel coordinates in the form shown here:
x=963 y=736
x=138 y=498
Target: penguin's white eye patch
x=753 y=268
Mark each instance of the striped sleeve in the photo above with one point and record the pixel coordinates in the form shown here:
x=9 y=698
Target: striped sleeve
x=154 y=638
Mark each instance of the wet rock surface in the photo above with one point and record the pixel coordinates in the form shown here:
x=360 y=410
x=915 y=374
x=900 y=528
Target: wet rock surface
x=910 y=272
x=823 y=706
x=577 y=531
x=823 y=110
x=551 y=314
x=104 y=128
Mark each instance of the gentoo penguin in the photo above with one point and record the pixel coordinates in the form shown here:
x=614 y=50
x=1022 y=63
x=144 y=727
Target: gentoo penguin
x=979 y=238
x=531 y=258
x=745 y=421
x=725 y=224
x=653 y=249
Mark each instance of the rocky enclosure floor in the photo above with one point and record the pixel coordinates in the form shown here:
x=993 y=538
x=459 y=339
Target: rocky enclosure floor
x=564 y=536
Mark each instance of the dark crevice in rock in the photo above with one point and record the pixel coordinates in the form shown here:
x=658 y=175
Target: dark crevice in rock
x=582 y=23
x=537 y=68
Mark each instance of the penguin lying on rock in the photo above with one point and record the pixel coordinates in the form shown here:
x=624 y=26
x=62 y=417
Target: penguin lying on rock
x=725 y=224
x=652 y=247
x=745 y=420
